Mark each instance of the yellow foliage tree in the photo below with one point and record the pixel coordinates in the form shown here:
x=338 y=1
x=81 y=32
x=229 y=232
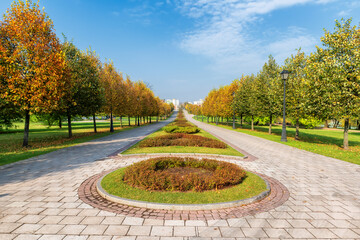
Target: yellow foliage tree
x=32 y=61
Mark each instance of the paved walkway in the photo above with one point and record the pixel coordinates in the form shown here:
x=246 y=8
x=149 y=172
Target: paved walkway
x=38 y=197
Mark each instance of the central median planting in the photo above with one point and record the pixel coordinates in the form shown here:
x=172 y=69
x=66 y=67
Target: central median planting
x=182 y=181
x=181 y=136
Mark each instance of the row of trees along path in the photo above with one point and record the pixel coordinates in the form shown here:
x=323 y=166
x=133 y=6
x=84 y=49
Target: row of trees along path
x=40 y=75
x=322 y=86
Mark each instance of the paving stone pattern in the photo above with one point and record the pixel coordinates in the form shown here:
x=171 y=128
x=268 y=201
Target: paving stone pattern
x=39 y=197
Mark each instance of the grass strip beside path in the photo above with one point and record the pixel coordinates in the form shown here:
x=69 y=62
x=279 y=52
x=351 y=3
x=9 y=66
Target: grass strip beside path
x=251 y=186
x=327 y=142
x=44 y=140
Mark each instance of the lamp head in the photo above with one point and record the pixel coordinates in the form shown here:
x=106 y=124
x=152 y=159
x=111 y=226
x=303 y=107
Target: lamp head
x=284 y=74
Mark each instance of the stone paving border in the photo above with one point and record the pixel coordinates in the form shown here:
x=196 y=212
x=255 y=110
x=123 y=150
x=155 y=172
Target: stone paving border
x=88 y=193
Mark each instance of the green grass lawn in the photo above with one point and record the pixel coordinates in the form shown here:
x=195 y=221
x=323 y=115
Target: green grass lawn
x=327 y=142
x=180 y=149
x=251 y=186
x=44 y=140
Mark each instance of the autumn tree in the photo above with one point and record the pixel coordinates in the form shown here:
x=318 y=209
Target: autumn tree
x=333 y=74
x=121 y=99
x=32 y=61
x=95 y=98
x=208 y=105
x=139 y=100
x=131 y=99
x=110 y=80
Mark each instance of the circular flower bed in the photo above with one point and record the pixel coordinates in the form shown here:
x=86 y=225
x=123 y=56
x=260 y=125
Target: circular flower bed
x=182 y=174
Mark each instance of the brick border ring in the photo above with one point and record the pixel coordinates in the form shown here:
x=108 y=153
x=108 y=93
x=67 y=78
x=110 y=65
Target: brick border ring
x=279 y=194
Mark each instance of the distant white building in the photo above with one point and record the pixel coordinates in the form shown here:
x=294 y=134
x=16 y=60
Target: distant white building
x=174 y=101
x=200 y=102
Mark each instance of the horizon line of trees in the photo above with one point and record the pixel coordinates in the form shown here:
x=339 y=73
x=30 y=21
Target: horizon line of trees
x=322 y=86
x=42 y=76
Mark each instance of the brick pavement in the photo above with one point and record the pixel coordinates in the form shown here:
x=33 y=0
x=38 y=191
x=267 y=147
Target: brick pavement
x=39 y=198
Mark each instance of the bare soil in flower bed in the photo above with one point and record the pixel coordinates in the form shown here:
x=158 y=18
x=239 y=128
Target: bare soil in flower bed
x=183 y=174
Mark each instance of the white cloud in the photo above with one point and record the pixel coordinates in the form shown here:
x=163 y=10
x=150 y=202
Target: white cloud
x=221 y=32
x=284 y=48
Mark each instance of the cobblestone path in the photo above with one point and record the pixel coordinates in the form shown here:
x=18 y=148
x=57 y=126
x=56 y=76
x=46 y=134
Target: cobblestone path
x=38 y=197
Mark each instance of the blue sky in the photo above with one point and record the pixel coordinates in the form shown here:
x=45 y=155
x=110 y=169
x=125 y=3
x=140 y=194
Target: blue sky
x=184 y=48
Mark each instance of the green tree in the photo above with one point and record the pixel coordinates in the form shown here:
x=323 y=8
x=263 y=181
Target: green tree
x=297 y=91
x=239 y=103
x=334 y=74
x=268 y=91
x=8 y=113
x=85 y=94
x=245 y=100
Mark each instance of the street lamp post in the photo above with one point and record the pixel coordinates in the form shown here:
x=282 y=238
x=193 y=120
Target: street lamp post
x=284 y=76
x=233 y=94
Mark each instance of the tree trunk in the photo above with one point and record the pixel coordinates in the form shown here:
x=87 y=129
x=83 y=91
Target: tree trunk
x=138 y=120
x=157 y=118
x=297 y=133
x=150 y=119
x=217 y=120
x=121 y=123
x=346 y=134
x=241 y=120
x=26 y=129
x=60 y=123
x=326 y=124
x=270 y=125
x=207 y=119
x=111 y=122
x=129 y=121
x=69 y=123
x=252 y=123
x=94 y=120
x=358 y=124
